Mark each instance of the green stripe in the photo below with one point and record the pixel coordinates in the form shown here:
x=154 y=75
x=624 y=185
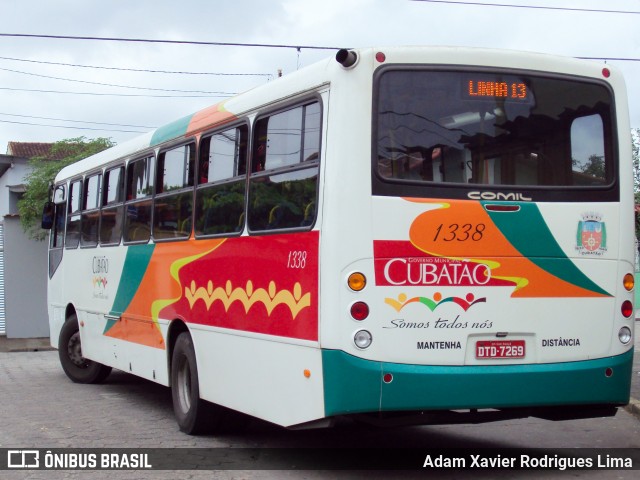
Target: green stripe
x=353 y=385
x=135 y=266
x=527 y=231
x=171 y=131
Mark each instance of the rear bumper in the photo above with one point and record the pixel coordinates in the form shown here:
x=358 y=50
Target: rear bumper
x=354 y=385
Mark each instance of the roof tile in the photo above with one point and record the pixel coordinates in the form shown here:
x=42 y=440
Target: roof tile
x=33 y=149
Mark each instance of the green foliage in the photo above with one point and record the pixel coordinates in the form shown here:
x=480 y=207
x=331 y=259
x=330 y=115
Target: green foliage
x=594 y=167
x=43 y=173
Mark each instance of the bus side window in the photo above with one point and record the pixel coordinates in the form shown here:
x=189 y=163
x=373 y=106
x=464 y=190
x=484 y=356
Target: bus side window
x=90 y=218
x=72 y=236
x=173 y=206
x=57 y=232
x=220 y=197
x=112 y=213
x=139 y=195
x=283 y=184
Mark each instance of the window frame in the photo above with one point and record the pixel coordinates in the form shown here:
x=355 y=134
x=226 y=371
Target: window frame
x=86 y=211
x=151 y=157
x=254 y=174
x=186 y=190
x=242 y=178
x=116 y=206
x=71 y=213
x=60 y=208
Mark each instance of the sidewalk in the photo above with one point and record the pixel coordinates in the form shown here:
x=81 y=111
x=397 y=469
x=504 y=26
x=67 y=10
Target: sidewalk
x=24 y=344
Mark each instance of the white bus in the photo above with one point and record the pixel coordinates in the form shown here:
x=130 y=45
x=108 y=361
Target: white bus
x=402 y=235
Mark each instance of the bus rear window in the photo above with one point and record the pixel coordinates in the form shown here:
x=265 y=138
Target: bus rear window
x=492 y=128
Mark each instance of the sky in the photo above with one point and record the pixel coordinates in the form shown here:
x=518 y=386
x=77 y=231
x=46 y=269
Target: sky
x=39 y=96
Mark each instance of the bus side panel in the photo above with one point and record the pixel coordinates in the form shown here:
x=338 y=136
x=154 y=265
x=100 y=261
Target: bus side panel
x=56 y=304
x=100 y=284
x=263 y=377
x=266 y=285
x=125 y=354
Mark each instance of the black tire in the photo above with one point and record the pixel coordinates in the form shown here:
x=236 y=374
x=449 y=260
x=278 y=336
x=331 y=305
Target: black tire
x=194 y=415
x=78 y=368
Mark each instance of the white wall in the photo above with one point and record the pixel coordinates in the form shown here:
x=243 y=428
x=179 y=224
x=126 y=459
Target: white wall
x=13 y=176
x=26 y=267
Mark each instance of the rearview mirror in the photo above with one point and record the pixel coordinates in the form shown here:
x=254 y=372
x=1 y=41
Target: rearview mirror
x=48 y=214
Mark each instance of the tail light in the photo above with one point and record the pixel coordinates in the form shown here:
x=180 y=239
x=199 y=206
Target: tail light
x=357 y=281
x=359 y=311
x=627 y=308
x=362 y=339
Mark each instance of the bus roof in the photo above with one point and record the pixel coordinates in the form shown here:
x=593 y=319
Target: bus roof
x=306 y=79
x=313 y=76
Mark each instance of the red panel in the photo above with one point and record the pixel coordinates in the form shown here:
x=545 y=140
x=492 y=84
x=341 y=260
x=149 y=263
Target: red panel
x=266 y=284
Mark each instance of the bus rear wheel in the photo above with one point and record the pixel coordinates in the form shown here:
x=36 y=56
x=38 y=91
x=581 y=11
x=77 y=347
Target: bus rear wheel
x=193 y=414
x=78 y=368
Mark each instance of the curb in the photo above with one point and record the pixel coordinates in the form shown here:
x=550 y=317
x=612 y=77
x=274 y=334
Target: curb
x=12 y=345
x=27 y=349
x=633 y=408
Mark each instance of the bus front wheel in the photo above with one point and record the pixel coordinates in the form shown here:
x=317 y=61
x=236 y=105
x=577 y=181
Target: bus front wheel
x=78 y=368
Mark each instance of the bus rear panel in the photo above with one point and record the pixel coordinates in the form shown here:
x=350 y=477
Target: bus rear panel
x=499 y=269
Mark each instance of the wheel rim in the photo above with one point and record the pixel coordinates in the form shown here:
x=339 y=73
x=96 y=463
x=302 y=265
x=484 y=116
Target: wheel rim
x=74 y=350
x=184 y=386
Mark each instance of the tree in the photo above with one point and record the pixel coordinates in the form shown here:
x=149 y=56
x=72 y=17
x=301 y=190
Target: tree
x=594 y=167
x=42 y=174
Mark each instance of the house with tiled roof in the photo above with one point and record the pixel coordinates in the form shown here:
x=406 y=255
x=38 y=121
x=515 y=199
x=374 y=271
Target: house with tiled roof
x=23 y=261
x=13 y=168
x=33 y=150
x=28 y=149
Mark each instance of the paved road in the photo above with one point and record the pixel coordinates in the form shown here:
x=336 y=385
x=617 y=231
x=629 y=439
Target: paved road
x=41 y=408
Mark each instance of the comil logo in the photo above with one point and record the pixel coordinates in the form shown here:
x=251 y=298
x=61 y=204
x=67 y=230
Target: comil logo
x=23 y=459
x=511 y=196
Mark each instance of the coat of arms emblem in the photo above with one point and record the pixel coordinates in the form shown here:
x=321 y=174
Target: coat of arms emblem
x=592 y=235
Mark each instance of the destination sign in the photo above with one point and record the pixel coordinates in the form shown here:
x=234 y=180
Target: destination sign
x=512 y=90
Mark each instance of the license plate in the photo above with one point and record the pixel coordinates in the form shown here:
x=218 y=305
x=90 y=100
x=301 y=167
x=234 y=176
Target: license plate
x=500 y=349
